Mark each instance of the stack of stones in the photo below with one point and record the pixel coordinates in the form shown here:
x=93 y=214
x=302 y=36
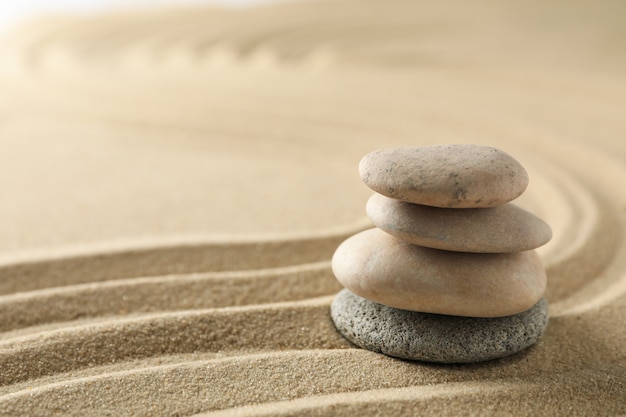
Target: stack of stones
x=449 y=274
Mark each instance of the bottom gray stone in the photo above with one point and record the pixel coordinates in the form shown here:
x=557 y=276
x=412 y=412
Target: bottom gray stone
x=435 y=337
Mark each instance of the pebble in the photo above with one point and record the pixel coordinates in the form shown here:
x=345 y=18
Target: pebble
x=375 y=265
x=433 y=337
x=506 y=228
x=454 y=176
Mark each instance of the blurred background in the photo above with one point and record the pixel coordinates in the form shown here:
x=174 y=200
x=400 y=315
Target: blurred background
x=13 y=12
x=247 y=121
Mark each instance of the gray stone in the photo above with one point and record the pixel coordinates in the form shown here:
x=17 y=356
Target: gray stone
x=433 y=337
x=454 y=176
x=502 y=229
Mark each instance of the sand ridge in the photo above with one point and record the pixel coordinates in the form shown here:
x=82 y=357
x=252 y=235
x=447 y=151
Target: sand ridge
x=174 y=184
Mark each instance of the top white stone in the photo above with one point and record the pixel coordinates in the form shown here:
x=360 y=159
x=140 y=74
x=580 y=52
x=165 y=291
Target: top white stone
x=452 y=176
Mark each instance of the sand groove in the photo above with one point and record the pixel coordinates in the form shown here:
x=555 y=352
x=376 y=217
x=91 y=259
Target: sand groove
x=179 y=259
x=175 y=182
x=172 y=292
x=191 y=386
x=167 y=333
x=450 y=397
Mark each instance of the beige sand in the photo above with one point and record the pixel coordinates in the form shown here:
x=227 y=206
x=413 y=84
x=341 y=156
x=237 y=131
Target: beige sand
x=174 y=183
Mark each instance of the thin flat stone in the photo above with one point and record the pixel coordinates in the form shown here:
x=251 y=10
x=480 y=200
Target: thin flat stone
x=389 y=271
x=506 y=228
x=433 y=337
x=454 y=176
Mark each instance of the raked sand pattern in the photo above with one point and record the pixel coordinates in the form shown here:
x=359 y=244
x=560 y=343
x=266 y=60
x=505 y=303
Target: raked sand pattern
x=173 y=185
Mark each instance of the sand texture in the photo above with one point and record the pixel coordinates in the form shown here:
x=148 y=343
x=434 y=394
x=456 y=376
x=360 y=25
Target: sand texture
x=173 y=185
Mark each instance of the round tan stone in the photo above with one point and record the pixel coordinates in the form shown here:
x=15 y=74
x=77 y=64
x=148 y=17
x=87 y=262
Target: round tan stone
x=455 y=176
x=389 y=271
x=506 y=228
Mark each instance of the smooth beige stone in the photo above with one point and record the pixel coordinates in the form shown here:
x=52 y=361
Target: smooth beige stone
x=389 y=271
x=456 y=176
x=506 y=228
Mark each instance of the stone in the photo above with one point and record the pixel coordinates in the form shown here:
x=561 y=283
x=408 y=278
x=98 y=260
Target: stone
x=433 y=337
x=389 y=271
x=506 y=228
x=452 y=176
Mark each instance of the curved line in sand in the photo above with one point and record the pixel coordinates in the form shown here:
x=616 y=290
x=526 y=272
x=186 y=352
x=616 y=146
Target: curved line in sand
x=118 y=298
x=373 y=399
x=602 y=259
x=450 y=397
x=195 y=386
x=345 y=363
x=211 y=330
x=156 y=243
x=197 y=370
x=129 y=261
x=570 y=209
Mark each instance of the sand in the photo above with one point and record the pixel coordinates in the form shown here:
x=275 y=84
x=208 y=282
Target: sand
x=173 y=185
